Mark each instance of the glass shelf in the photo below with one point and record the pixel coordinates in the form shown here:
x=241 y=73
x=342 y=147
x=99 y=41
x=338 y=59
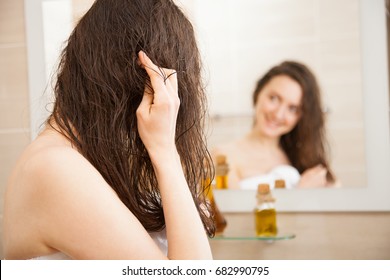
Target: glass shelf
x=282 y=236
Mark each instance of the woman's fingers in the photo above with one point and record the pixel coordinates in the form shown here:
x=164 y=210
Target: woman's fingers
x=147 y=99
x=157 y=113
x=162 y=79
x=314 y=177
x=162 y=87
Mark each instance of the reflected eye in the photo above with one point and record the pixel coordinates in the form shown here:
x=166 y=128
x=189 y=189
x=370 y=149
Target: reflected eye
x=273 y=98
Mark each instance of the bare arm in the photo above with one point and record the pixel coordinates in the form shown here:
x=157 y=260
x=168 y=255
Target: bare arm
x=156 y=116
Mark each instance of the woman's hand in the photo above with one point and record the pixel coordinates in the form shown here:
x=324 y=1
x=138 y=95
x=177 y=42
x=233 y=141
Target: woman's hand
x=157 y=113
x=313 y=177
x=156 y=118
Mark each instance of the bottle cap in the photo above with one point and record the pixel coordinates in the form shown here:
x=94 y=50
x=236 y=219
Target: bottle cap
x=263 y=189
x=222 y=167
x=280 y=184
x=221 y=159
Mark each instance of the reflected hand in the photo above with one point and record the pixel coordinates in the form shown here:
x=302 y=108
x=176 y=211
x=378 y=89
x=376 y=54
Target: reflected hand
x=157 y=112
x=313 y=177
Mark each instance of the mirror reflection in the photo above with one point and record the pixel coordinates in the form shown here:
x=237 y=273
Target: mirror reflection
x=240 y=41
x=287 y=139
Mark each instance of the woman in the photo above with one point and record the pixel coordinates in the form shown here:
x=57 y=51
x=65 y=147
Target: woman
x=287 y=140
x=124 y=139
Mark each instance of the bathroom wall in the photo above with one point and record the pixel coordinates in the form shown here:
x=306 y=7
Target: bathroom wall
x=15 y=135
x=14 y=106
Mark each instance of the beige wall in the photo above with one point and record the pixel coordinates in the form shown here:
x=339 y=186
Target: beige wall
x=14 y=116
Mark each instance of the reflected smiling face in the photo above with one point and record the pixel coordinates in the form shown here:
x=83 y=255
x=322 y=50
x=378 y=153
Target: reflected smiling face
x=278 y=106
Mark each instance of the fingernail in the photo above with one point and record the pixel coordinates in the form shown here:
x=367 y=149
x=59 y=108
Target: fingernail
x=144 y=54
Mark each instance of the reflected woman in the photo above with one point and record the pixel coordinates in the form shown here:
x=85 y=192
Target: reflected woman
x=287 y=140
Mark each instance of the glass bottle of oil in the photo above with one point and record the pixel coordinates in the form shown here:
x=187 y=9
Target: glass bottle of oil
x=221 y=172
x=265 y=213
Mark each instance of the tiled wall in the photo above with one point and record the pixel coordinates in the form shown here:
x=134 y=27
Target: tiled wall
x=14 y=108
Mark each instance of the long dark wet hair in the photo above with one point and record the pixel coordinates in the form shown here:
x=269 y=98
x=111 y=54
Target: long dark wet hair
x=305 y=145
x=100 y=85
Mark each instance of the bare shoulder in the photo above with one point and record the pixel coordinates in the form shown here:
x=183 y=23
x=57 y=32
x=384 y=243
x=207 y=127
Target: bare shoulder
x=228 y=149
x=48 y=168
x=235 y=151
x=56 y=163
x=57 y=176
x=62 y=203
x=41 y=162
x=39 y=182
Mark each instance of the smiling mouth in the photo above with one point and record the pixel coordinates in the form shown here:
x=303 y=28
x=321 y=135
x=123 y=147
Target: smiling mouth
x=272 y=123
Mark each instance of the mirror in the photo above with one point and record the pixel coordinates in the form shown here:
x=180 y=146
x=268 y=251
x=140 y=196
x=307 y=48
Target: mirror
x=241 y=40
x=366 y=188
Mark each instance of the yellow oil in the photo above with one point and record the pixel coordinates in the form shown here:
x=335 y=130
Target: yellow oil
x=265 y=221
x=221 y=182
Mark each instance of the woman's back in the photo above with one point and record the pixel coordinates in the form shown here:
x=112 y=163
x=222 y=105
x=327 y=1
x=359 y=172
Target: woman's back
x=57 y=201
x=24 y=193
